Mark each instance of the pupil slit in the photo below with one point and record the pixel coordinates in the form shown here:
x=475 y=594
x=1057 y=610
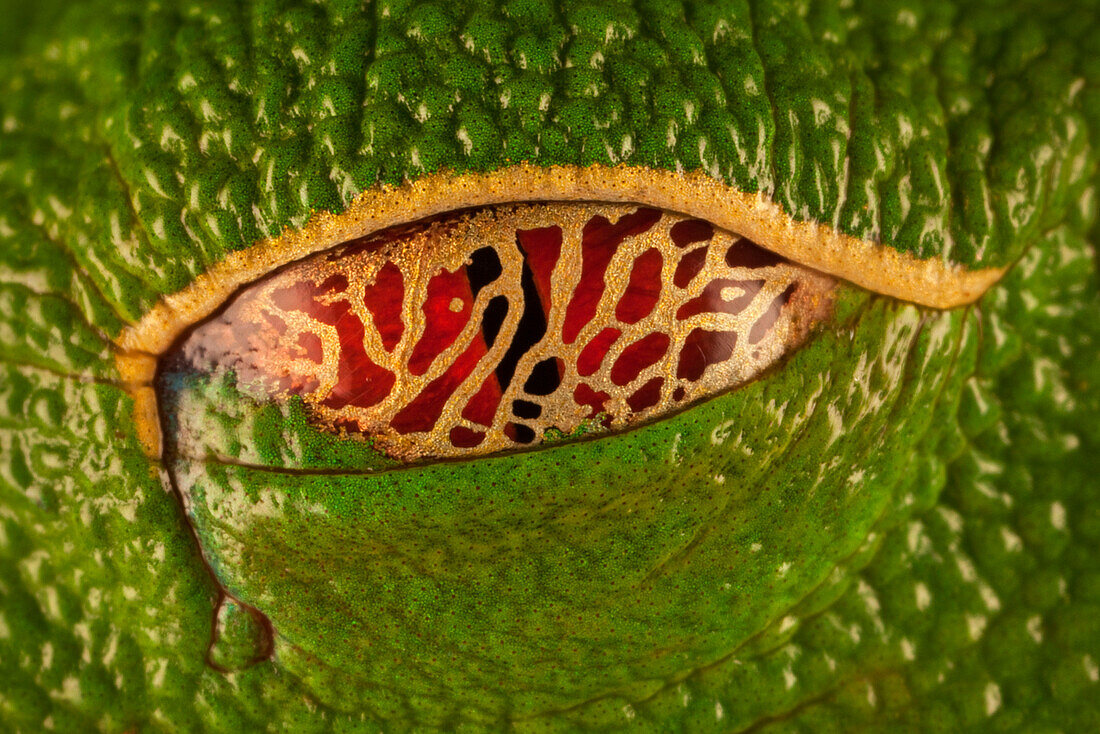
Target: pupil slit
x=484 y=268
x=493 y=318
x=529 y=331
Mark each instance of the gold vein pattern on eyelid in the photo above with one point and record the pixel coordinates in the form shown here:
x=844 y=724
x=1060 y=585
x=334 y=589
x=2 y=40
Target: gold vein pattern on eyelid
x=639 y=312
x=866 y=264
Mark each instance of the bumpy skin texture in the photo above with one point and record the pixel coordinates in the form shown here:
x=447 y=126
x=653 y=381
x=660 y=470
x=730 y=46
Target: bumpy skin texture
x=955 y=589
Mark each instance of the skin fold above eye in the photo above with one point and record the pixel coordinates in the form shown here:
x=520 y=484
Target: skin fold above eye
x=493 y=329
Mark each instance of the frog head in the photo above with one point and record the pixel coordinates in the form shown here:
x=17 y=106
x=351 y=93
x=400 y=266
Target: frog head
x=549 y=365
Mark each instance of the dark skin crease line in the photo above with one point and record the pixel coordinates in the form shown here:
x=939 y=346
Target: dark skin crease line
x=169 y=460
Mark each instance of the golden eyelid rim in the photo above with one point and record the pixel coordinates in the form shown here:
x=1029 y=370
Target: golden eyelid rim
x=866 y=264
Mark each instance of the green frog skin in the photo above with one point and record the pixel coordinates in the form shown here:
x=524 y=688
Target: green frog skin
x=894 y=527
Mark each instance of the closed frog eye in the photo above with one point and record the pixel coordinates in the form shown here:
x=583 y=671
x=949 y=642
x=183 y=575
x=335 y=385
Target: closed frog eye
x=489 y=330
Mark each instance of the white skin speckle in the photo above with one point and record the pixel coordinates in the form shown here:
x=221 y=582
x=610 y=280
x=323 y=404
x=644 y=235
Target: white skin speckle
x=154 y=182
x=720 y=433
x=674 y=452
x=112 y=648
x=464 y=138
x=952 y=518
x=1092 y=670
x=836 y=424
x=1035 y=628
x=1058 y=516
x=70 y=689
x=721 y=28
x=915 y=538
x=992 y=699
x=907 y=18
x=869 y=599
x=907 y=650
x=299 y=53
x=1013 y=544
x=992 y=603
x=924 y=597
x=59 y=209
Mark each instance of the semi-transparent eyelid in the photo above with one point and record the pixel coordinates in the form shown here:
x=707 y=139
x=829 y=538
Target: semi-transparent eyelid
x=500 y=328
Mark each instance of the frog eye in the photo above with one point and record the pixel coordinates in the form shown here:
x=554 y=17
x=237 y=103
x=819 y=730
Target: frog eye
x=504 y=327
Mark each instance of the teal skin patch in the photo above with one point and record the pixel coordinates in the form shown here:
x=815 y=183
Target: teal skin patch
x=139 y=144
